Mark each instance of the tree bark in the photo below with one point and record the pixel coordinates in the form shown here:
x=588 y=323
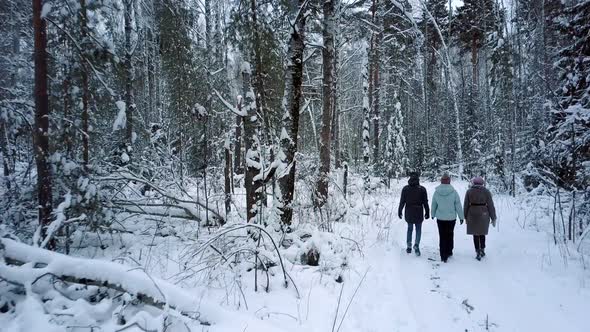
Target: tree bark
x=366 y=118
x=129 y=73
x=85 y=92
x=41 y=135
x=376 y=83
x=321 y=194
x=253 y=178
x=474 y=67
x=335 y=108
x=4 y=154
x=228 y=180
x=293 y=96
x=238 y=167
x=260 y=94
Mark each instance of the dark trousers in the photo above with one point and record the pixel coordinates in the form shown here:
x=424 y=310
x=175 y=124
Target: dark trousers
x=446 y=233
x=479 y=241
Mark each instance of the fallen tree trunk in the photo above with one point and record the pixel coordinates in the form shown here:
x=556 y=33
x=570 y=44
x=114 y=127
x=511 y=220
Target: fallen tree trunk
x=185 y=204
x=25 y=265
x=160 y=210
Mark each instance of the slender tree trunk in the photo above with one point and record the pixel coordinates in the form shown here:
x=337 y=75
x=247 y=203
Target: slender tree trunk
x=366 y=118
x=335 y=106
x=217 y=38
x=345 y=180
x=321 y=194
x=293 y=96
x=253 y=178
x=4 y=153
x=260 y=94
x=85 y=91
x=376 y=59
x=150 y=73
x=129 y=73
x=207 y=25
x=41 y=135
x=67 y=127
x=238 y=167
x=227 y=176
x=474 y=70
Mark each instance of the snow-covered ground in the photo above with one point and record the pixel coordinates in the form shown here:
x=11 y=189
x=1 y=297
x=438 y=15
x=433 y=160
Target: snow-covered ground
x=523 y=284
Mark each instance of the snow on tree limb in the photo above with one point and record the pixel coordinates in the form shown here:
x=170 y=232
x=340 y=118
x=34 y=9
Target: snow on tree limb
x=229 y=106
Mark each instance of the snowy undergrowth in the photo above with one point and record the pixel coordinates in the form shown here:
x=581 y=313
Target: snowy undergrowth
x=214 y=267
x=234 y=277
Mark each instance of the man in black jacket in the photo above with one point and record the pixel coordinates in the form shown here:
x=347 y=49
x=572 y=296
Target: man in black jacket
x=415 y=200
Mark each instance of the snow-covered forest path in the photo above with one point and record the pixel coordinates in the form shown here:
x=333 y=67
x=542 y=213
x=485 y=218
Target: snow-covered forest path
x=522 y=284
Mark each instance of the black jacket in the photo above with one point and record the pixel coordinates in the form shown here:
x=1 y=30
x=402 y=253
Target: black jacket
x=415 y=200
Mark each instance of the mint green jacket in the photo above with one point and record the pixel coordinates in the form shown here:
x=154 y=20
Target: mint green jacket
x=446 y=204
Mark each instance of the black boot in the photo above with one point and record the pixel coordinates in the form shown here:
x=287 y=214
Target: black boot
x=417 y=250
x=408 y=250
x=482 y=253
x=479 y=256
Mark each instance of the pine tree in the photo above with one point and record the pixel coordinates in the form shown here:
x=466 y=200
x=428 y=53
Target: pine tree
x=395 y=148
x=42 y=111
x=475 y=21
x=291 y=107
x=568 y=141
x=503 y=104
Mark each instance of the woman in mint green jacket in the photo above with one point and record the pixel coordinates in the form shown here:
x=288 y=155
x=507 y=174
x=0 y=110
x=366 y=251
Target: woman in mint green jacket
x=446 y=207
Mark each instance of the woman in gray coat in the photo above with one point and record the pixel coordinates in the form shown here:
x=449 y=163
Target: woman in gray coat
x=479 y=210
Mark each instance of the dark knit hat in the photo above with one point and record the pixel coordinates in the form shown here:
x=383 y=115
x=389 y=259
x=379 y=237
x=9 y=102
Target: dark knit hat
x=445 y=178
x=478 y=181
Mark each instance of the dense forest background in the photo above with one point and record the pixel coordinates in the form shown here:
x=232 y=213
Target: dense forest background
x=107 y=106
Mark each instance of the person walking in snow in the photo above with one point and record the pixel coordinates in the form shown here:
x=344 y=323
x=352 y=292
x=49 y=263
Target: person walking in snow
x=415 y=201
x=446 y=207
x=479 y=210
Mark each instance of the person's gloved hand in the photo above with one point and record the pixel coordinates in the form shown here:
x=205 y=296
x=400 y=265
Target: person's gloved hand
x=461 y=221
x=426 y=216
x=400 y=215
x=494 y=222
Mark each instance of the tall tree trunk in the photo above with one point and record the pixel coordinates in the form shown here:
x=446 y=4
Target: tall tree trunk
x=321 y=194
x=375 y=59
x=150 y=65
x=85 y=91
x=227 y=176
x=474 y=69
x=4 y=154
x=67 y=127
x=335 y=106
x=129 y=73
x=293 y=95
x=238 y=167
x=253 y=178
x=41 y=135
x=376 y=98
x=217 y=38
x=366 y=119
x=260 y=94
x=207 y=25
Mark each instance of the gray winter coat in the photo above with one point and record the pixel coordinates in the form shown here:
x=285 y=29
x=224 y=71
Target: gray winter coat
x=478 y=209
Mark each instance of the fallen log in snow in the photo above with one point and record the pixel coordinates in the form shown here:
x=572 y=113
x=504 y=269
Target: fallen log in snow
x=25 y=265
x=193 y=208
